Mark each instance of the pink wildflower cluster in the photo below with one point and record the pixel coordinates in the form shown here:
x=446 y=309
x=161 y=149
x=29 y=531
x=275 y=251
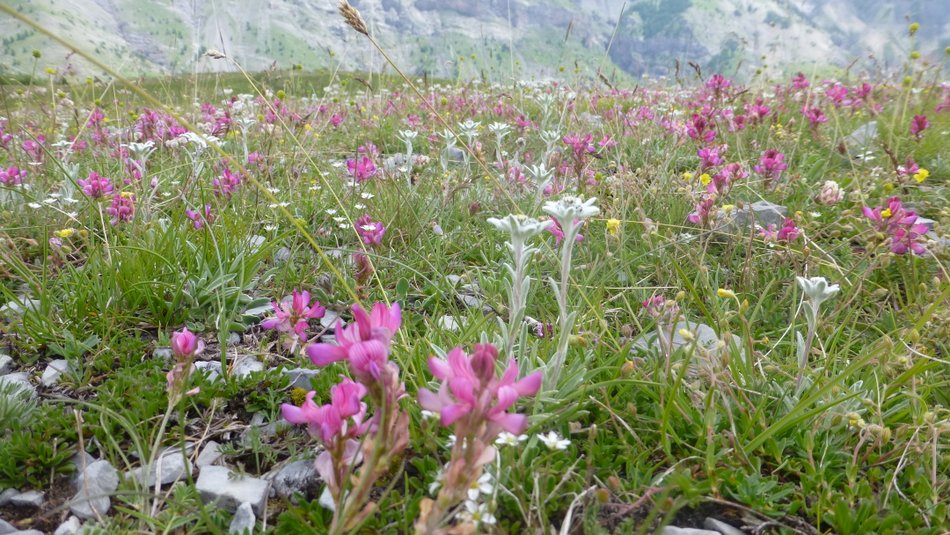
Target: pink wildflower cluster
x=788 y=233
x=227 y=181
x=476 y=403
x=12 y=176
x=96 y=185
x=371 y=232
x=122 y=208
x=900 y=225
x=185 y=347
x=917 y=126
x=198 y=220
x=770 y=167
x=361 y=169
x=365 y=346
x=814 y=115
x=156 y=126
x=291 y=316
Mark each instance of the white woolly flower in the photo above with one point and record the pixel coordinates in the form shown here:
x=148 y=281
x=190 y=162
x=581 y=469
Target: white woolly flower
x=569 y=208
x=817 y=289
x=520 y=227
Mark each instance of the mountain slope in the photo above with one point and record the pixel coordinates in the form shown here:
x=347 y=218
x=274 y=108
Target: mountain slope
x=464 y=38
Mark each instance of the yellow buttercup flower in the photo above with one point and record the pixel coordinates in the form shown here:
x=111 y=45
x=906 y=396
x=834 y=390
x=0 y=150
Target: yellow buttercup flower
x=921 y=175
x=65 y=233
x=687 y=176
x=885 y=213
x=705 y=179
x=613 y=226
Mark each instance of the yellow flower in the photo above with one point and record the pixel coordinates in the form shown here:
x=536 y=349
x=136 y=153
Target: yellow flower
x=921 y=175
x=705 y=179
x=687 y=176
x=613 y=226
x=885 y=213
x=65 y=233
x=725 y=294
x=728 y=207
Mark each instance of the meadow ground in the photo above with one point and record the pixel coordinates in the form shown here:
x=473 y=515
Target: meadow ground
x=736 y=307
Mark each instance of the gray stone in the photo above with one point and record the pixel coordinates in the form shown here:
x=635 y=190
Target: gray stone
x=300 y=377
x=7 y=495
x=328 y=339
x=326 y=500
x=254 y=243
x=30 y=532
x=164 y=353
x=246 y=365
x=453 y=155
x=169 y=467
x=234 y=339
x=211 y=367
x=228 y=490
x=762 y=213
x=30 y=498
x=721 y=527
x=21 y=380
x=298 y=476
x=705 y=337
x=6 y=528
x=454 y=280
x=96 y=484
x=19 y=306
x=69 y=527
x=243 y=520
x=328 y=321
x=6 y=364
x=859 y=141
x=282 y=255
x=209 y=455
x=81 y=460
x=470 y=301
x=54 y=370
x=449 y=323
x=673 y=530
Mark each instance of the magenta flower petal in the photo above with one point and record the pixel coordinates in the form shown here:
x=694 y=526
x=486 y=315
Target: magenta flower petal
x=324 y=354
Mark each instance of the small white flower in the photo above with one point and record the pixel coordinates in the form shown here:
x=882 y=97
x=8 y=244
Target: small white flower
x=428 y=415
x=34 y=205
x=509 y=439
x=477 y=513
x=484 y=485
x=366 y=195
x=359 y=206
x=330 y=211
x=554 y=441
x=368 y=228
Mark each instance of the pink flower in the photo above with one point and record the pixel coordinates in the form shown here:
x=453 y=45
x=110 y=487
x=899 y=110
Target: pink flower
x=900 y=225
x=800 y=82
x=227 y=181
x=725 y=178
x=12 y=176
x=196 y=218
x=361 y=169
x=343 y=417
x=558 y=233
x=96 y=186
x=371 y=232
x=336 y=120
x=701 y=129
x=709 y=157
x=122 y=208
x=364 y=344
x=185 y=344
x=771 y=164
x=704 y=210
x=918 y=125
x=814 y=115
x=292 y=316
x=471 y=389
x=580 y=145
